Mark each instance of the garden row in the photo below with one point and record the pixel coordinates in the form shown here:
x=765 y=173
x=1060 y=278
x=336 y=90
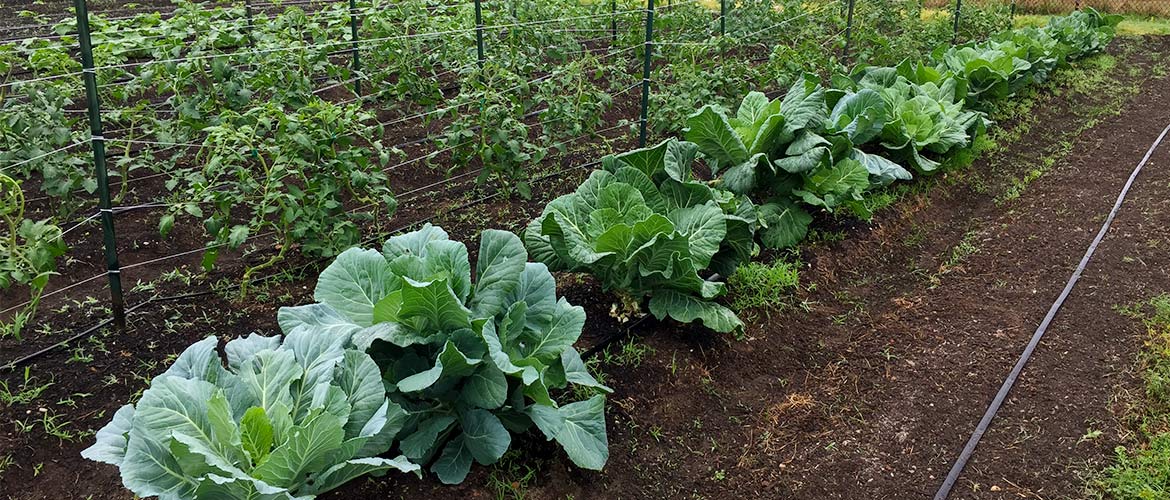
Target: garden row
x=411 y=350
x=222 y=120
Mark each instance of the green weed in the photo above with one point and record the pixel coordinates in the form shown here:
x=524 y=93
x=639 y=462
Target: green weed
x=759 y=285
x=1142 y=470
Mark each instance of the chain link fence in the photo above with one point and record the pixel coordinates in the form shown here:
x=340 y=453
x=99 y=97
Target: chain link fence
x=1155 y=8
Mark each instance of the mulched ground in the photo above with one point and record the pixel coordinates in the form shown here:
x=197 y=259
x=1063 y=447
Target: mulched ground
x=868 y=394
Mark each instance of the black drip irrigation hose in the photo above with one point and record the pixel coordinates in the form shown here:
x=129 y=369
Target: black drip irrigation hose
x=989 y=415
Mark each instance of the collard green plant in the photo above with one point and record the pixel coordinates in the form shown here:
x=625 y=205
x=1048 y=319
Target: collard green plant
x=646 y=228
x=470 y=360
x=799 y=149
x=273 y=420
x=1084 y=31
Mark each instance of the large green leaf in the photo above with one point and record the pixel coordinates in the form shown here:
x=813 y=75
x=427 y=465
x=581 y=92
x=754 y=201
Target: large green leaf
x=486 y=388
x=804 y=105
x=710 y=130
x=351 y=469
x=307 y=449
x=579 y=428
x=413 y=243
x=110 y=447
x=484 y=436
x=860 y=116
x=432 y=306
x=455 y=462
x=451 y=362
x=501 y=260
x=547 y=344
x=687 y=308
x=197 y=361
x=704 y=228
x=354 y=282
x=785 y=223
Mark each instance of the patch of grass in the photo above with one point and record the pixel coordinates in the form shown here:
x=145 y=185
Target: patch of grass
x=965 y=248
x=511 y=476
x=631 y=353
x=759 y=285
x=1142 y=470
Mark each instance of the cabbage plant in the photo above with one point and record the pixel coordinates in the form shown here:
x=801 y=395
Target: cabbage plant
x=471 y=361
x=271 y=420
x=803 y=152
x=646 y=228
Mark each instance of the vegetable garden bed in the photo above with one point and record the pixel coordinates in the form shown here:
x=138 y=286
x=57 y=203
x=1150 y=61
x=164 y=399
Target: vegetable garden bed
x=859 y=382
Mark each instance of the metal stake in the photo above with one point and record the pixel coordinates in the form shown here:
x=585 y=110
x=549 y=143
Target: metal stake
x=613 y=19
x=848 y=32
x=251 y=26
x=958 y=12
x=722 y=17
x=113 y=270
x=353 y=36
x=479 y=33
x=649 y=50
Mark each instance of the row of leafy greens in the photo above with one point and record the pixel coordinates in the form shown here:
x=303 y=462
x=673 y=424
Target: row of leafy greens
x=824 y=147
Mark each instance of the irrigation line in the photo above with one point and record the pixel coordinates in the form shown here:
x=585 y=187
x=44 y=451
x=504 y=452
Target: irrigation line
x=1010 y=381
x=87 y=332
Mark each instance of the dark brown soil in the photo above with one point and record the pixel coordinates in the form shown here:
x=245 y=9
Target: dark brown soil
x=870 y=393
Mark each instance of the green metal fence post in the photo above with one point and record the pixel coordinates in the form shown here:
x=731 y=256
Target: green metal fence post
x=251 y=25
x=613 y=19
x=1012 y=11
x=958 y=12
x=353 y=36
x=648 y=52
x=479 y=33
x=848 y=31
x=113 y=270
x=722 y=17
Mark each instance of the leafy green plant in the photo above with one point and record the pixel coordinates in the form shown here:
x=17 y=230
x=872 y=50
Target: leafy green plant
x=795 y=149
x=646 y=228
x=280 y=420
x=289 y=174
x=493 y=132
x=28 y=255
x=471 y=362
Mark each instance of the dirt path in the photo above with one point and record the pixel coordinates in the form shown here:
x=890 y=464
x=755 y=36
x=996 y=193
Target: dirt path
x=1059 y=405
